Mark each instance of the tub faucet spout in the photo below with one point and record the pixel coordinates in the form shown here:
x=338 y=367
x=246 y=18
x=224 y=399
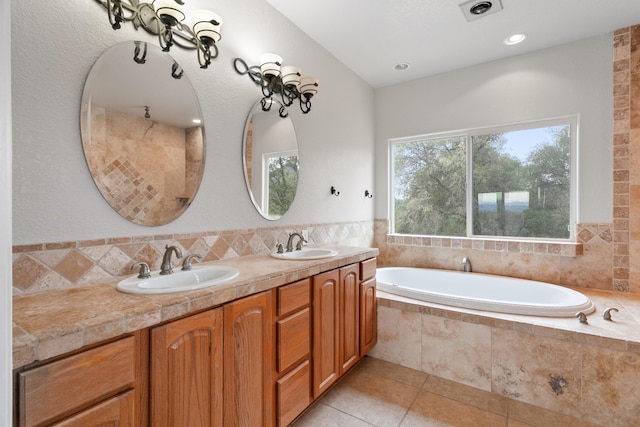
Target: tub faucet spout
x=467 y=264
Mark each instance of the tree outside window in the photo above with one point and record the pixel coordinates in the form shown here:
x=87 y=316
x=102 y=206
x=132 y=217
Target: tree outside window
x=519 y=182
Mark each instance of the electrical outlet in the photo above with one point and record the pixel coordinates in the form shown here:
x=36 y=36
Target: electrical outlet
x=305 y=234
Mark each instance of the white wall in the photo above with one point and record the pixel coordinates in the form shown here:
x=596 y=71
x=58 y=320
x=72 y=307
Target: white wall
x=54 y=196
x=576 y=78
x=5 y=216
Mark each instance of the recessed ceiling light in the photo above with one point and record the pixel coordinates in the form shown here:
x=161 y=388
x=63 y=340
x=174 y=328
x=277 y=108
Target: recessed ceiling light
x=515 y=39
x=401 y=66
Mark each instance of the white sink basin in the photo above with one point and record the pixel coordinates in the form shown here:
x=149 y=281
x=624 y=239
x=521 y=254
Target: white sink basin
x=196 y=278
x=306 y=254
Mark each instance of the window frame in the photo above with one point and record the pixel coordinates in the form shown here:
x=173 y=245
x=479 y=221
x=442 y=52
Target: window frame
x=571 y=120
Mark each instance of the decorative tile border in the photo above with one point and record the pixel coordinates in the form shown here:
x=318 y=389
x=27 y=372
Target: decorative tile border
x=528 y=247
x=586 y=234
x=62 y=265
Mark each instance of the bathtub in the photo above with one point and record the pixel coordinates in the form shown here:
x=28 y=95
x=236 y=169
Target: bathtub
x=483 y=292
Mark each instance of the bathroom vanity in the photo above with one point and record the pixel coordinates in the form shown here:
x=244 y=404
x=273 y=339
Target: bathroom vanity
x=257 y=351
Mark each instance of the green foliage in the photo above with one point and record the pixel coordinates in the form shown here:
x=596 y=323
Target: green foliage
x=530 y=197
x=283 y=183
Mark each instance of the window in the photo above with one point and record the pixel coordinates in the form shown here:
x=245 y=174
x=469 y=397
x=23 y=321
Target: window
x=512 y=181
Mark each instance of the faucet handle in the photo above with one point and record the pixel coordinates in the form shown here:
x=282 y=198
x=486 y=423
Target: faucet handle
x=186 y=264
x=582 y=318
x=607 y=313
x=144 y=273
x=279 y=248
x=299 y=244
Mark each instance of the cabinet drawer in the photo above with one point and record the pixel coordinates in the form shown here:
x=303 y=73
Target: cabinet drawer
x=367 y=269
x=293 y=393
x=61 y=388
x=293 y=338
x=294 y=296
x=117 y=411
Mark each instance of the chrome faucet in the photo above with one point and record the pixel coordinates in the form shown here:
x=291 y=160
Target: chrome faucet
x=166 y=267
x=298 y=245
x=467 y=264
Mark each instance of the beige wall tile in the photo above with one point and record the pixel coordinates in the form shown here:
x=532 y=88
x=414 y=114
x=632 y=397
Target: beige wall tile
x=399 y=337
x=610 y=387
x=540 y=371
x=457 y=351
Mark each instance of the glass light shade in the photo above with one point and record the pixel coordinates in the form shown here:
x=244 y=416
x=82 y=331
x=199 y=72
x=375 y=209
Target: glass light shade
x=168 y=11
x=309 y=86
x=208 y=26
x=290 y=75
x=270 y=64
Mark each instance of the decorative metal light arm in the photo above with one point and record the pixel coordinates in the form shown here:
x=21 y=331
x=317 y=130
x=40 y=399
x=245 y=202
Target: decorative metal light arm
x=164 y=19
x=276 y=80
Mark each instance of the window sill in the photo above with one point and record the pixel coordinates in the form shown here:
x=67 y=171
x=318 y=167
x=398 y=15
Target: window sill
x=567 y=249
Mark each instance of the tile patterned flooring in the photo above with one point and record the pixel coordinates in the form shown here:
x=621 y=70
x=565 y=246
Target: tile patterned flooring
x=382 y=394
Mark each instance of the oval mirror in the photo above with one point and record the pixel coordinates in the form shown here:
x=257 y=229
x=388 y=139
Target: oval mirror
x=270 y=160
x=142 y=133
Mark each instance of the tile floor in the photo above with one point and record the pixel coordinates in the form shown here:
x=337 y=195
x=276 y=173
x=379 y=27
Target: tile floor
x=383 y=394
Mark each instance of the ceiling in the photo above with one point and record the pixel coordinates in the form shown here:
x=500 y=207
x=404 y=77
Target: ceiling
x=433 y=36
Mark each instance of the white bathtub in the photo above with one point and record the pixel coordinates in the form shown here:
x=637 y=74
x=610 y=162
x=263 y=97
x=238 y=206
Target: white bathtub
x=483 y=292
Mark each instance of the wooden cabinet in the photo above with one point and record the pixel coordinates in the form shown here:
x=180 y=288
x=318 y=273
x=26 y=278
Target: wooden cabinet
x=257 y=361
x=293 y=351
x=344 y=321
x=97 y=386
x=326 y=339
x=349 y=317
x=368 y=308
x=248 y=361
x=186 y=371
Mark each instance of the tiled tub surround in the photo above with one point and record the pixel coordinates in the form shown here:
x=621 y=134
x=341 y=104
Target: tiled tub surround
x=47 y=266
x=49 y=324
x=588 y=372
x=587 y=263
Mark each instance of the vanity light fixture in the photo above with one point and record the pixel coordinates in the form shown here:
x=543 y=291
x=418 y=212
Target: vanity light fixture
x=275 y=79
x=164 y=18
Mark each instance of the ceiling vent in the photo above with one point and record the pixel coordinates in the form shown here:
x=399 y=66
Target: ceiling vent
x=475 y=9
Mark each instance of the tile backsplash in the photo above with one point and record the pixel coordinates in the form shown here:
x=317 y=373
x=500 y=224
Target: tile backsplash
x=61 y=265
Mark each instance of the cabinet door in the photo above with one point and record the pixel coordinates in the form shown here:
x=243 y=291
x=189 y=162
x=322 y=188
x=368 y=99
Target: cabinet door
x=248 y=362
x=326 y=343
x=368 y=316
x=186 y=371
x=349 y=317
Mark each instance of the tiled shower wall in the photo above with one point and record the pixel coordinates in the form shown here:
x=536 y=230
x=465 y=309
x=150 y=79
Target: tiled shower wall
x=47 y=266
